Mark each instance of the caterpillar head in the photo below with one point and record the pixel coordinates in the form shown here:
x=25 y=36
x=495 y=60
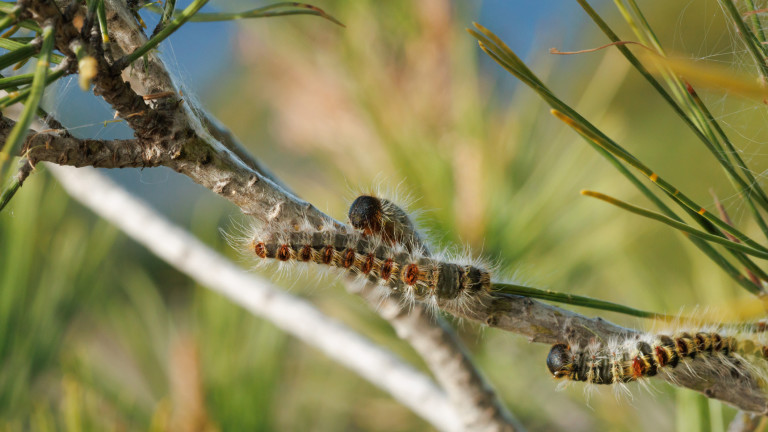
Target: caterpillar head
x=365 y=214
x=560 y=361
x=385 y=219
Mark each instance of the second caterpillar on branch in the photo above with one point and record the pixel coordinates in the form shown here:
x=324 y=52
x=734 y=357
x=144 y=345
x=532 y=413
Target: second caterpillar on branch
x=381 y=247
x=636 y=359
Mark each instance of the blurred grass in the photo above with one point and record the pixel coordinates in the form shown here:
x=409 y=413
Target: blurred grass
x=96 y=334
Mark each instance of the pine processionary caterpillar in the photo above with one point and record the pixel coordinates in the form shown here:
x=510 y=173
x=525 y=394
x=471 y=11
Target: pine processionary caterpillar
x=381 y=247
x=635 y=359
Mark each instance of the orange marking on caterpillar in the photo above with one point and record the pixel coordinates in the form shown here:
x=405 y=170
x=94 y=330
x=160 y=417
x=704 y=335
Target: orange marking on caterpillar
x=386 y=269
x=305 y=254
x=368 y=263
x=349 y=258
x=328 y=255
x=638 y=368
x=284 y=253
x=260 y=250
x=411 y=274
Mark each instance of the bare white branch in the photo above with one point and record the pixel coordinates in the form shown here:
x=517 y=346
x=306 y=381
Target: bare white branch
x=292 y=314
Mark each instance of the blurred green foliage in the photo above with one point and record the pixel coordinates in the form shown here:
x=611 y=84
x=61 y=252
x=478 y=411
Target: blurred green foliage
x=96 y=334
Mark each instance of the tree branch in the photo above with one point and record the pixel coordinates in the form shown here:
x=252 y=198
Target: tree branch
x=68 y=150
x=149 y=75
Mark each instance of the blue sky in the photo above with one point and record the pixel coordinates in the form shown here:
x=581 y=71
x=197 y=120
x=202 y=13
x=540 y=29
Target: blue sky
x=194 y=53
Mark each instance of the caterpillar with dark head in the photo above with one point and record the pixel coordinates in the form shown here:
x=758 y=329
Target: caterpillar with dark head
x=635 y=359
x=385 y=250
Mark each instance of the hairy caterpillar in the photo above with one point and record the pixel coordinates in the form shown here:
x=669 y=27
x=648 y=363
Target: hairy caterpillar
x=635 y=359
x=385 y=250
